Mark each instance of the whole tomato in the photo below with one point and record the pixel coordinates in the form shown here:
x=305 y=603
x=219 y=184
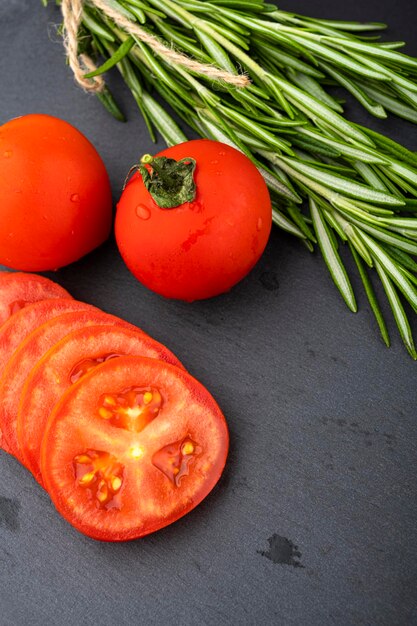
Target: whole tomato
x=55 y=194
x=203 y=228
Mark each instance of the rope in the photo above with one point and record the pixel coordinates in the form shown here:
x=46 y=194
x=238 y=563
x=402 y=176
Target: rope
x=72 y=13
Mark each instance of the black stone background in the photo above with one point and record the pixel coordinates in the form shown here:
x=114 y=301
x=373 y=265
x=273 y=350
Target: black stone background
x=314 y=520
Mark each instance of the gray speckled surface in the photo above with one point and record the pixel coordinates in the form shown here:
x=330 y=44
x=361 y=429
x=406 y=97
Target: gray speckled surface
x=322 y=468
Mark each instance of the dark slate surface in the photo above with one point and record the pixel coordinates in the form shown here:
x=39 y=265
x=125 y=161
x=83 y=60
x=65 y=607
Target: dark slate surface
x=314 y=520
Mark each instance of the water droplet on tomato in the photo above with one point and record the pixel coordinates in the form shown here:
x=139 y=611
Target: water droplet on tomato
x=7 y=154
x=75 y=197
x=259 y=224
x=143 y=212
x=214 y=162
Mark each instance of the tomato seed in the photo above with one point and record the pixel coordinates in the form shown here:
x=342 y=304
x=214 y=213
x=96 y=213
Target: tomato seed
x=132 y=409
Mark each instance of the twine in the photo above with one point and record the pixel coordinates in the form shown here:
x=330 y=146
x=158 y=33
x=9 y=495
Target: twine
x=81 y=64
x=72 y=11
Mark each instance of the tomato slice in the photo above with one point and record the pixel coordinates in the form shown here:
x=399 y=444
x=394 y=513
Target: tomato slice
x=62 y=366
x=22 y=323
x=132 y=447
x=17 y=289
x=26 y=356
x=18 y=327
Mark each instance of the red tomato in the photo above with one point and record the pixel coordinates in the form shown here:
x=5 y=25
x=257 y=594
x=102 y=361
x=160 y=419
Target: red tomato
x=55 y=194
x=22 y=323
x=132 y=447
x=203 y=247
x=62 y=366
x=17 y=290
x=26 y=356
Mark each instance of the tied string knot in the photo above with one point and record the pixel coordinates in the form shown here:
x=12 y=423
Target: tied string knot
x=72 y=11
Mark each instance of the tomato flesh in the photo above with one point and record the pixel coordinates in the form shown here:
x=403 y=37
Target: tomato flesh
x=64 y=364
x=174 y=459
x=26 y=356
x=101 y=476
x=132 y=409
x=116 y=483
x=22 y=323
x=18 y=289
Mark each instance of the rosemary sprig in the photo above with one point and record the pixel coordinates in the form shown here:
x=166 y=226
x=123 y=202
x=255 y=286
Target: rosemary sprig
x=360 y=186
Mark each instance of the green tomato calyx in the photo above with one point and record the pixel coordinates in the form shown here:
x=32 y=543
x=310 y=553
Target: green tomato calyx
x=170 y=182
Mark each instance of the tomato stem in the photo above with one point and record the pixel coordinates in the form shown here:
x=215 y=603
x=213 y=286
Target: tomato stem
x=148 y=159
x=170 y=182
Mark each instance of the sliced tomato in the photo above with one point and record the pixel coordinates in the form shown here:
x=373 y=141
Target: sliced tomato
x=19 y=289
x=26 y=356
x=22 y=323
x=132 y=447
x=62 y=366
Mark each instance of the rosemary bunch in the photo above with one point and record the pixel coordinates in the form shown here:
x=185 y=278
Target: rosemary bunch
x=331 y=180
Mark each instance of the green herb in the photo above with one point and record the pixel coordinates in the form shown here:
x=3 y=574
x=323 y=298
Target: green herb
x=360 y=187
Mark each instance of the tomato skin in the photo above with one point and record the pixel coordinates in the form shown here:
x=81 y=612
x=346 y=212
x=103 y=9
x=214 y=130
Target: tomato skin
x=56 y=203
x=149 y=500
x=201 y=248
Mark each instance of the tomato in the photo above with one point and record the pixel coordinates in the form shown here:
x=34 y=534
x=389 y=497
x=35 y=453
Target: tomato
x=22 y=323
x=55 y=194
x=203 y=246
x=26 y=356
x=17 y=290
x=132 y=447
x=62 y=366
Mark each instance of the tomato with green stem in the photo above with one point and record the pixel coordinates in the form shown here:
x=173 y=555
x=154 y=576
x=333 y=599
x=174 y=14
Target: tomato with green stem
x=194 y=220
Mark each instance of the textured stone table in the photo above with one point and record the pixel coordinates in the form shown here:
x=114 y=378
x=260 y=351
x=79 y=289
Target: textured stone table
x=314 y=520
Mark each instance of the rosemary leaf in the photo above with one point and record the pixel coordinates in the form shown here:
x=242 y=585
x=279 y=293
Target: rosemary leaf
x=332 y=258
x=370 y=293
x=398 y=311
